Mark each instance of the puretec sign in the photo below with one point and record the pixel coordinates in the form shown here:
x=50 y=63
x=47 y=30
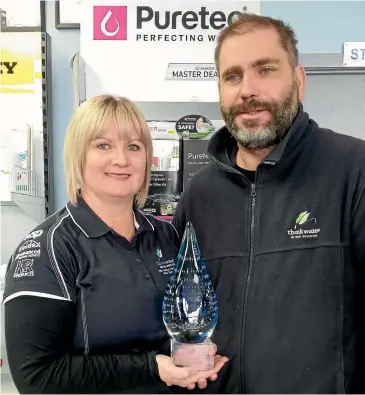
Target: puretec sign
x=189 y=20
x=162 y=23
x=168 y=44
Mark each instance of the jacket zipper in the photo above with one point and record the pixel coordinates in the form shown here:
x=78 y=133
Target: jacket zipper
x=242 y=370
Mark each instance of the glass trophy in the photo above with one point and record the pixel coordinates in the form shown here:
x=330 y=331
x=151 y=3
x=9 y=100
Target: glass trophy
x=190 y=308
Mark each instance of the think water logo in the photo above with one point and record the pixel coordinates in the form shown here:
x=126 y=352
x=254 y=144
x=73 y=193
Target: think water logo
x=303 y=228
x=159 y=253
x=303 y=218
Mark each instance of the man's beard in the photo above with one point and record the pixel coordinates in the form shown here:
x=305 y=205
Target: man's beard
x=252 y=136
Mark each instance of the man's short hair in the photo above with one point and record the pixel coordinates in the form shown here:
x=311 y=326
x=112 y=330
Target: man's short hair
x=250 y=22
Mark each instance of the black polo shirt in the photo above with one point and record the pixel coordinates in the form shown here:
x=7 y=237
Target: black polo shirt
x=117 y=285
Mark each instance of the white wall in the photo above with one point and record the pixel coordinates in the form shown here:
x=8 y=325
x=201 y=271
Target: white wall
x=15 y=225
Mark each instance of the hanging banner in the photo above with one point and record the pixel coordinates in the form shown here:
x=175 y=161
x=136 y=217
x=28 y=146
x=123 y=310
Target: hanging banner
x=155 y=51
x=20 y=62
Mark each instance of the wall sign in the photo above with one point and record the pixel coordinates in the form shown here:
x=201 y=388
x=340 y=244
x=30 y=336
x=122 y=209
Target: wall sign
x=194 y=127
x=20 y=63
x=163 y=51
x=354 y=54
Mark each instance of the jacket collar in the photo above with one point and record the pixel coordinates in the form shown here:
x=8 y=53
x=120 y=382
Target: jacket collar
x=92 y=226
x=222 y=145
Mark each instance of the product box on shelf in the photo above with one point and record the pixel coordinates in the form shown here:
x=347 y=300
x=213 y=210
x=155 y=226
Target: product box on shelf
x=16 y=145
x=166 y=174
x=2 y=17
x=196 y=131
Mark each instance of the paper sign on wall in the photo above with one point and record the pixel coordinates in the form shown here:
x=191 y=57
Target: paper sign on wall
x=354 y=54
x=159 y=51
x=20 y=62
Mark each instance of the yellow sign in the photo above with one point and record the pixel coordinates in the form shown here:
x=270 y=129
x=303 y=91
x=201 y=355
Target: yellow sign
x=20 y=62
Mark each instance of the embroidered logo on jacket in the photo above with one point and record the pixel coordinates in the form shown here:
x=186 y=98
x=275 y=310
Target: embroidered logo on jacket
x=159 y=253
x=34 y=234
x=29 y=244
x=28 y=254
x=24 y=268
x=164 y=267
x=305 y=227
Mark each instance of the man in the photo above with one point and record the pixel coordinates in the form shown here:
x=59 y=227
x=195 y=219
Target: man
x=279 y=215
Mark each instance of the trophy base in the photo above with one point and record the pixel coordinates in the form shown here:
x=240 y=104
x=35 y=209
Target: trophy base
x=199 y=356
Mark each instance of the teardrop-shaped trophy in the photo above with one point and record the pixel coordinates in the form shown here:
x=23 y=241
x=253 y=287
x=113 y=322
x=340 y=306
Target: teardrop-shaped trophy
x=190 y=308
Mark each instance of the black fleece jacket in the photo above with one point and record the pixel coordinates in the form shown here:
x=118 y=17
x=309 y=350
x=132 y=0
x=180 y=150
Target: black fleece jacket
x=286 y=254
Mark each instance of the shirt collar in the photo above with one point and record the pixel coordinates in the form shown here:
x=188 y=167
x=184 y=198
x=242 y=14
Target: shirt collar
x=222 y=146
x=92 y=226
x=298 y=127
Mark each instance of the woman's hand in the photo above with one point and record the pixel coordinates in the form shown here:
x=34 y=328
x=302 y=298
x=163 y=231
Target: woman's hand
x=187 y=377
x=219 y=362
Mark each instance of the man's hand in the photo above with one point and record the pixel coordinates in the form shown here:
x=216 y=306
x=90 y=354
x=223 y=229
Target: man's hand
x=187 y=377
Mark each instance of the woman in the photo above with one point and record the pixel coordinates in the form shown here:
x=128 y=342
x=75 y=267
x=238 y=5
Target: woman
x=84 y=290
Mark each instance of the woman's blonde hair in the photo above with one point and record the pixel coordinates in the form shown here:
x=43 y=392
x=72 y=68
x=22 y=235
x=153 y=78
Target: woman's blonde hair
x=88 y=122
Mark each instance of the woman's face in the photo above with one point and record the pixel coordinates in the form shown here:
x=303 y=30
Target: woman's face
x=115 y=164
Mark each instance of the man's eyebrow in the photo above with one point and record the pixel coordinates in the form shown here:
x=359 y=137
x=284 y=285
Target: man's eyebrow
x=264 y=61
x=236 y=69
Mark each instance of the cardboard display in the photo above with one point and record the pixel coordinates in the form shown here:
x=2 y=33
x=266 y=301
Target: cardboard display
x=195 y=149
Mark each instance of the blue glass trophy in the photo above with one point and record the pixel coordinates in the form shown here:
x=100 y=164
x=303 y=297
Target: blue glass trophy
x=190 y=309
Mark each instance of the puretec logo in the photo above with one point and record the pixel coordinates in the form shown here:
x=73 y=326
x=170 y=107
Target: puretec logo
x=302 y=228
x=187 y=20
x=183 y=23
x=110 y=23
x=103 y=28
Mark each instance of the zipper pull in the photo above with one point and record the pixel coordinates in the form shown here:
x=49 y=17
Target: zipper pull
x=253 y=190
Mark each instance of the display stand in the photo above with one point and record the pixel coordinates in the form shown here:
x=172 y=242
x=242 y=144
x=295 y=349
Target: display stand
x=29 y=187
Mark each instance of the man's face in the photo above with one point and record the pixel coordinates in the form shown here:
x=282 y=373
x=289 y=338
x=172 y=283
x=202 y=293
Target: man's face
x=259 y=91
